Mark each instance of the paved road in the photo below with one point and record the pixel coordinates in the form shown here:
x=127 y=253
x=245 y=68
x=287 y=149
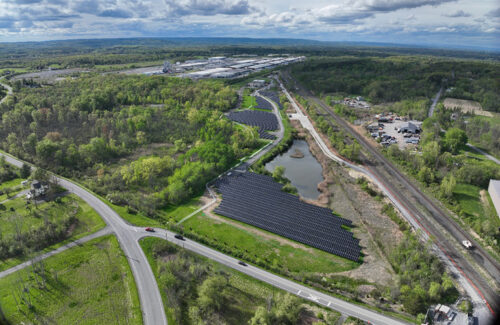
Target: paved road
x=274 y=280
x=149 y=294
x=9 y=91
x=490 y=157
x=435 y=101
x=151 y=302
x=484 y=297
x=78 y=242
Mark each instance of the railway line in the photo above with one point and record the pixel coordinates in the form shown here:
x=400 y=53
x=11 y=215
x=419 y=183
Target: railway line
x=431 y=218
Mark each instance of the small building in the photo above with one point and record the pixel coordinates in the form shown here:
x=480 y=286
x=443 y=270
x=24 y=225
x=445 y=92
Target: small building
x=494 y=191
x=37 y=189
x=411 y=128
x=257 y=83
x=374 y=127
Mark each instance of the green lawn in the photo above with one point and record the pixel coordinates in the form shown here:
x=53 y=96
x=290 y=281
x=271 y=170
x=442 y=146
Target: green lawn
x=24 y=220
x=14 y=185
x=248 y=102
x=270 y=251
x=89 y=284
x=176 y=213
x=242 y=294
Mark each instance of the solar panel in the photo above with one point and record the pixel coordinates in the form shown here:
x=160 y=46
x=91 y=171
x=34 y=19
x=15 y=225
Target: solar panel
x=263 y=120
x=262 y=103
x=272 y=95
x=259 y=201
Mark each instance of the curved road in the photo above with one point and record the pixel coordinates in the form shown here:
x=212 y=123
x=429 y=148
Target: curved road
x=9 y=91
x=150 y=298
x=149 y=295
x=472 y=281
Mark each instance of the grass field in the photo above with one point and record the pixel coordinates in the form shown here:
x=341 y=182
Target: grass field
x=271 y=251
x=24 y=220
x=248 y=102
x=14 y=185
x=242 y=294
x=90 y=284
x=176 y=213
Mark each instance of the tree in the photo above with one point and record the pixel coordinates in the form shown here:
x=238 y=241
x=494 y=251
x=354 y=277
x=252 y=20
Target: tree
x=25 y=171
x=430 y=153
x=455 y=139
x=287 y=309
x=278 y=173
x=261 y=317
x=448 y=185
x=211 y=296
x=426 y=175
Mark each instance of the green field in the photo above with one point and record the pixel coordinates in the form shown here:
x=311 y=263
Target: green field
x=477 y=214
x=14 y=185
x=264 y=250
x=240 y=294
x=248 y=102
x=89 y=284
x=19 y=218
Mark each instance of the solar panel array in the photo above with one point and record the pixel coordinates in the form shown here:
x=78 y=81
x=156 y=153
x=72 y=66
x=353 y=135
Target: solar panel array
x=272 y=95
x=263 y=104
x=259 y=201
x=263 y=120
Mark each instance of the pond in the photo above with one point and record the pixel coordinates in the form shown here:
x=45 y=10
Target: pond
x=304 y=173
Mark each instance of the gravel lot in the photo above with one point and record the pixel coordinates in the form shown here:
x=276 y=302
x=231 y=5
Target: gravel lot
x=390 y=129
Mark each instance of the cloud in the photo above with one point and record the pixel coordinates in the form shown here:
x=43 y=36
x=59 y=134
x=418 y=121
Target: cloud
x=459 y=13
x=208 y=7
x=392 y=5
x=494 y=13
x=115 y=13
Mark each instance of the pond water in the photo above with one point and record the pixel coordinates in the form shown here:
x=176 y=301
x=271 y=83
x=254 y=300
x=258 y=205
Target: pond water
x=304 y=173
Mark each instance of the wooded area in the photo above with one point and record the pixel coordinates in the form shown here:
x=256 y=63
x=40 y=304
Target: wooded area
x=96 y=128
x=397 y=78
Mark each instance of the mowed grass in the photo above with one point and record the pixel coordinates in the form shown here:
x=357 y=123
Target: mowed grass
x=469 y=198
x=243 y=293
x=178 y=212
x=248 y=102
x=90 y=284
x=21 y=218
x=14 y=185
x=275 y=253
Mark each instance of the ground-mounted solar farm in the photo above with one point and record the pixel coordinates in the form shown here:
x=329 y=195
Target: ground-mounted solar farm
x=272 y=95
x=263 y=120
x=263 y=104
x=258 y=200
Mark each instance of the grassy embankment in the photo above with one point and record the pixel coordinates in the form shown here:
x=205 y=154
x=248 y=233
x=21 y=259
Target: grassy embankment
x=89 y=284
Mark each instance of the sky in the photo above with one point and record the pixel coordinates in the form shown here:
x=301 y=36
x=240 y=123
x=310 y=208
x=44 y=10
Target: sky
x=442 y=23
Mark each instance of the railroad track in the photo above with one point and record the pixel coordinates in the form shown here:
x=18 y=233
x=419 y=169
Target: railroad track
x=427 y=215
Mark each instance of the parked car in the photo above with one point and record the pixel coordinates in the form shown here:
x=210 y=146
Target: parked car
x=180 y=237
x=149 y=229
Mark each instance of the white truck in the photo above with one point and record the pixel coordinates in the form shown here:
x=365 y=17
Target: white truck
x=467 y=244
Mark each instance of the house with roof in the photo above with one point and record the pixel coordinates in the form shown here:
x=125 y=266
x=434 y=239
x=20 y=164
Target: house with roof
x=37 y=189
x=411 y=128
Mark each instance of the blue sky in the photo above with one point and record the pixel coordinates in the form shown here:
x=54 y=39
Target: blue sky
x=474 y=23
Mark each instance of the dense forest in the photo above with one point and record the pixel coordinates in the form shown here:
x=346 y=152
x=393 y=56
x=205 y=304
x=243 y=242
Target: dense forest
x=394 y=79
x=97 y=127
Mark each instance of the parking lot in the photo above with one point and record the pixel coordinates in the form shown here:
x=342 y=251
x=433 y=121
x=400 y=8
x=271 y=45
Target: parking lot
x=390 y=128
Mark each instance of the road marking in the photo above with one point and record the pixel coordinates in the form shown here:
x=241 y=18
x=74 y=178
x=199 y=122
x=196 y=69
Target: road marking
x=298 y=293
x=313 y=298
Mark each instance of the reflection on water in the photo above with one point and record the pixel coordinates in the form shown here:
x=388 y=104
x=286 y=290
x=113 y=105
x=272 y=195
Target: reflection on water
x=304 y=173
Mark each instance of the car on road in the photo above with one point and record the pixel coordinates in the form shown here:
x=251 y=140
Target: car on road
x=242 y=263
x=180 y=237
x=149 y=229
x=467 y=244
